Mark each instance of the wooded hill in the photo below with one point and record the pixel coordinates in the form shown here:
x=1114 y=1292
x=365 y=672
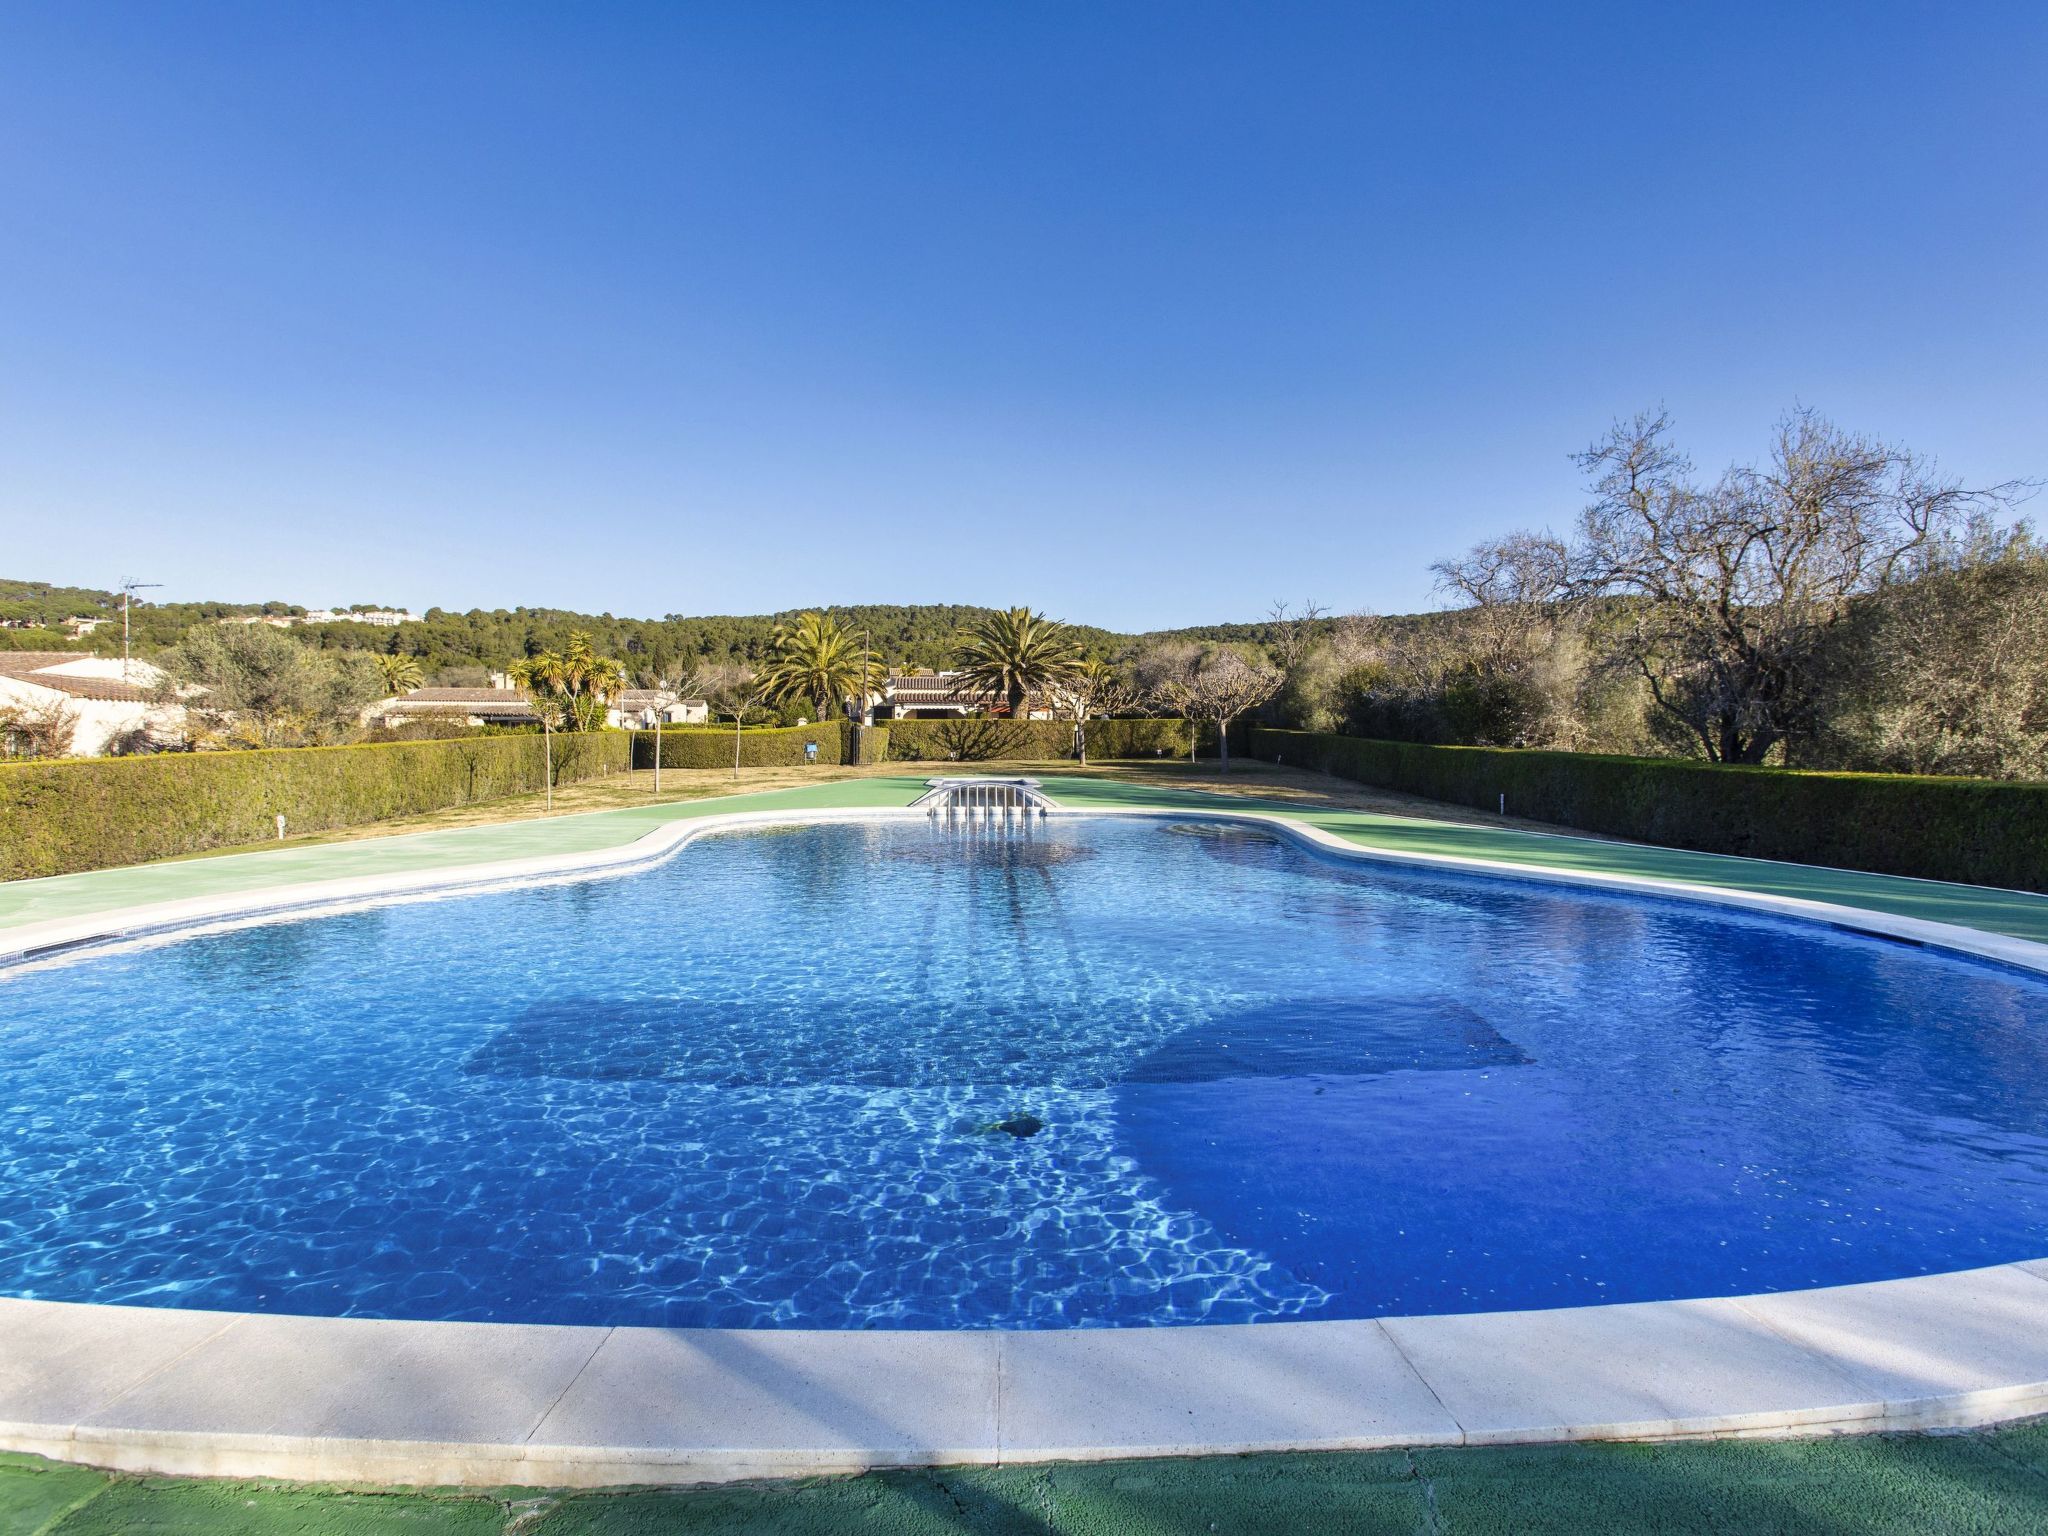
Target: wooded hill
x=446 y=642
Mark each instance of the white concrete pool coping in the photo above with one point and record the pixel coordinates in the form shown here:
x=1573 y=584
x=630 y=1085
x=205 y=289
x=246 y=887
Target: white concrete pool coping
x=357 y=1400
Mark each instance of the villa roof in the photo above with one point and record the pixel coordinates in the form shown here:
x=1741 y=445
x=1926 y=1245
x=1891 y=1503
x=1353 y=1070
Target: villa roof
x=466 y=696
x=33 y=667
x=937 y=688
x=504 y=703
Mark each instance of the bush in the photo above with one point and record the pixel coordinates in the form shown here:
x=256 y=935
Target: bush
x=760 y=747
x=867 y=744
x=1036 y=741
x=1977 y=831
x=94 y=813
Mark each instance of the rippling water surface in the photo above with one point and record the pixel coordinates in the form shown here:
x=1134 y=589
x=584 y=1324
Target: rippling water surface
x=779 y=1081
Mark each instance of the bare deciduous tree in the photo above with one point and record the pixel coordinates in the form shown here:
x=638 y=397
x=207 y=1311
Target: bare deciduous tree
x=1294 y=635
x=1214 y=683
x=730 y=690
x=1093 y=689
x=1731 y=589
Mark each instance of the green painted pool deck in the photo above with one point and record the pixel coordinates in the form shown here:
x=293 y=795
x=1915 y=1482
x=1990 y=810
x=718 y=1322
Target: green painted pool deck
x=1913 y=1485
x=2018 y=914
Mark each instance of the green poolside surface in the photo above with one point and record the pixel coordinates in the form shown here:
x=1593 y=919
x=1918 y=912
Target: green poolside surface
x=1984 y=1484
x=2015 y=913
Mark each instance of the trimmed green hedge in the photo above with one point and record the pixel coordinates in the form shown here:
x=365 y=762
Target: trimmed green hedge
x=1977 y=831
x=94 y=813
x=1037 y=741
x=867 y=743
x=780 y=746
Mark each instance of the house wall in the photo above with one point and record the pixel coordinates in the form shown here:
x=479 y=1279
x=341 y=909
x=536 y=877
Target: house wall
x=99 y=720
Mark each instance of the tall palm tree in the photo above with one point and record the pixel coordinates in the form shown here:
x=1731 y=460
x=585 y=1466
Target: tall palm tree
x=401 y=674
x=545 y=677
x=818 y=661
x=1017 y=653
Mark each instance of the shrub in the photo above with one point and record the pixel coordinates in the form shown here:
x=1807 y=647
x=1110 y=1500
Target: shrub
x=760 y=747
x=93 y=813
x=867 y=744
x=1978 y=831
x=1040 y=741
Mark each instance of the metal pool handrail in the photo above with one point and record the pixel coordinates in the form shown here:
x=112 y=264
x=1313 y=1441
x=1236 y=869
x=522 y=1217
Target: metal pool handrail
x=983 y=797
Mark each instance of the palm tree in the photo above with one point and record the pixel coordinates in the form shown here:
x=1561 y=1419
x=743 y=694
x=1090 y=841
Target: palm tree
x=816 y=660
x=545 y=678
x=577 y=679
x=590 y=680
x=1017 y=653
x=401 y=674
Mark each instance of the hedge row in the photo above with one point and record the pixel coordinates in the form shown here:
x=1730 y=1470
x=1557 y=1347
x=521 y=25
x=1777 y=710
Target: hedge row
x=1039 y=741
x=760 y=747
x=1977 y=831
x=94 y=813
x=867 y=743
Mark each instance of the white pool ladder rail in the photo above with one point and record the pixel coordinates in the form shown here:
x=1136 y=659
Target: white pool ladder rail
x=983 y=797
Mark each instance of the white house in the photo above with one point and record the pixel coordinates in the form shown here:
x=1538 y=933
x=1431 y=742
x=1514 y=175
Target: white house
x=104 y=706
x=636 y=709
x=503 y=704
x=383 y=618
x=941 y=696
x=470 y=706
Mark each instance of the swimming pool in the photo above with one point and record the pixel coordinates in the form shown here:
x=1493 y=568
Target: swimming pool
x=1073 y=1072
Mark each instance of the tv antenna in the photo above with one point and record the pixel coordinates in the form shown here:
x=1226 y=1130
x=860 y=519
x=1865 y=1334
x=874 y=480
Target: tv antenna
x=128 y=591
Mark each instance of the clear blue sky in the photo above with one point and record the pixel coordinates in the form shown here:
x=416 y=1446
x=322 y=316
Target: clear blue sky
x=1141 y=313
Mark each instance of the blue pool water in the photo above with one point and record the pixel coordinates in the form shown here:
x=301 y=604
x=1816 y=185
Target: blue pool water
x=757 y=1086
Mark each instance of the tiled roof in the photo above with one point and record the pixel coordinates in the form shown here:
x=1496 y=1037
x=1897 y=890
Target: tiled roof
x=932 y=689
x=500 y=703
x=32 y=667
x=466 y=696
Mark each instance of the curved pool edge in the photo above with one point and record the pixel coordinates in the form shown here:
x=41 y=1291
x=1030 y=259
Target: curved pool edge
x=190 y=916
x=50 y=937
x=1983 y=943
x=350 y=1400
x=355 y=1400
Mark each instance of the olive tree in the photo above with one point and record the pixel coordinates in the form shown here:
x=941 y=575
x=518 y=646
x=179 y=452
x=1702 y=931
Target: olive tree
x=249 y=685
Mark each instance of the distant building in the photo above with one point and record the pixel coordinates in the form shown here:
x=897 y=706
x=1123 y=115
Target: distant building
x=637 y=707
x=503 y=704
x=383 y=618
x=940 y=696
x=469 y=706
x=106 y=707
x=933 y=696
